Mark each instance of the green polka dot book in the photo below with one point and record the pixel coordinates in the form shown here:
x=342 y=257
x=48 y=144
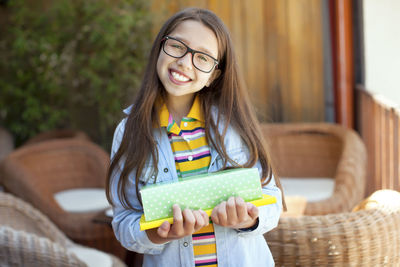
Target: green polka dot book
x=203 y=191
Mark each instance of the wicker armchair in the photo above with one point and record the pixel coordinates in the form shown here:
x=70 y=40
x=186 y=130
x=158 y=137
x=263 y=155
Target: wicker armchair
x=38 y=171
x=320 y=150
x=367 y=237
x=28 y=238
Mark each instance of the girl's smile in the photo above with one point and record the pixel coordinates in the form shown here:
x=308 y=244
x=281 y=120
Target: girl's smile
x=178 y=77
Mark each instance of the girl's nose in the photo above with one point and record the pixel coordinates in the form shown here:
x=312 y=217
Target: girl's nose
x=185 y=61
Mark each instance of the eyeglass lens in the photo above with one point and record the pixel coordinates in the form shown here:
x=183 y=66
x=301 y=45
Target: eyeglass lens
x=177 y=49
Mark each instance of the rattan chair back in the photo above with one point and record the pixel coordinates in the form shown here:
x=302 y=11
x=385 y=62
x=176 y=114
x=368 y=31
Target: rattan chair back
x=320 y=150
x=38 y=171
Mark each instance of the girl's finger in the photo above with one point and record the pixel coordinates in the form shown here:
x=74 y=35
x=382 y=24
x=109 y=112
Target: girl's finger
x=188 y=221
x=214 y=215
x=221 y=214
x=241 y=209
x=164 y=229
x=177 y=226
x=205 y=217
x=199 y=220
x=232 y=217
x=252 y=211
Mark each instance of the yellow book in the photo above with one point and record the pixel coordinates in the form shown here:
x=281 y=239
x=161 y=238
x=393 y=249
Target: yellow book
x=144 y=225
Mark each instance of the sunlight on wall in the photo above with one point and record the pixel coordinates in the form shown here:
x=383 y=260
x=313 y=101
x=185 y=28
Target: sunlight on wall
x=382 y=48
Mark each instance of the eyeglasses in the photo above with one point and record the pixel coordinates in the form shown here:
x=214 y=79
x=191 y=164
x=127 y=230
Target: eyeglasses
x=177 y=49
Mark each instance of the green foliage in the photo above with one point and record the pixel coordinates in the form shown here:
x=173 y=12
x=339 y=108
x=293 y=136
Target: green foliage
x=72 y=64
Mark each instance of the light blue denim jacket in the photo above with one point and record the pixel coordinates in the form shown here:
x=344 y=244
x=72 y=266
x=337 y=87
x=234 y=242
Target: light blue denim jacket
x=234 y=248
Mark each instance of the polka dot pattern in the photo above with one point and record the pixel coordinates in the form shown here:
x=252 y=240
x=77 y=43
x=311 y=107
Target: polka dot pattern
x=202 y=191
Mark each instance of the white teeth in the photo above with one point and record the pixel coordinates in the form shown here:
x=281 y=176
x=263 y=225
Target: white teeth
x=179 y=77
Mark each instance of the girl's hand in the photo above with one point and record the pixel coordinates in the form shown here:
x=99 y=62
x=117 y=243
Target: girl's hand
x=235 y=213
x=186 y=222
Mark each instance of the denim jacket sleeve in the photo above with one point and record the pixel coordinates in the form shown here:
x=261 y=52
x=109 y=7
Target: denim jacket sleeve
x=126 y=221
x=268 y=214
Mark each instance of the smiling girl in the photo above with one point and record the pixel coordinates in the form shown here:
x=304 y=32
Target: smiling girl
x=191 y=116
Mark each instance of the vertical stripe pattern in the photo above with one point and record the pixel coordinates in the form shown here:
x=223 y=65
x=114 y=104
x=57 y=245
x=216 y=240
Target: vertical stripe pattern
x=192 y=156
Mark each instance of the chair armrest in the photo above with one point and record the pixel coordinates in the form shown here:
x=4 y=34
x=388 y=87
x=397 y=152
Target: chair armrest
x=363 y=238
x=18 y=248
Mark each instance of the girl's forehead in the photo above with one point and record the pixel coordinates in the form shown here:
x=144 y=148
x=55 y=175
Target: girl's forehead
x=197 y=35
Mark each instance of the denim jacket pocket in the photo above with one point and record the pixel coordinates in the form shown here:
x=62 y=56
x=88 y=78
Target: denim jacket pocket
x=149 y=176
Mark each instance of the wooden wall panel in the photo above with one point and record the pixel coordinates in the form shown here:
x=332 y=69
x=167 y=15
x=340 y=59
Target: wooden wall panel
x=272 y=71
x=255 y=54
x=379 y=125
x=279 y=49
x=238 y=33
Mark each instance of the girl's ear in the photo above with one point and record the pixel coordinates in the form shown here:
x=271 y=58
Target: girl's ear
x=213 y=76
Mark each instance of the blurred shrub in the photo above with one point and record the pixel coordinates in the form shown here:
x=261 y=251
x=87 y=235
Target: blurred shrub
x=71 y=64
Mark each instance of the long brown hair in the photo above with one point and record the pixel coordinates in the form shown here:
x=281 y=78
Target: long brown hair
x=227 y=92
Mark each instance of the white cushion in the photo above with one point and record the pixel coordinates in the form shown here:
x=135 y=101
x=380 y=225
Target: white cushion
x=92 y=257
x=109 y=212
x=313 y=189
x=82 y=199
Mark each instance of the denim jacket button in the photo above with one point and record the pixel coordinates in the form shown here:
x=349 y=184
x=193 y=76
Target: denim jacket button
x=165 y=170
x=185 y=244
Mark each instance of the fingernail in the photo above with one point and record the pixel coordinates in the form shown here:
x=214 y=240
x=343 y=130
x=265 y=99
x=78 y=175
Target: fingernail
x=163 y=226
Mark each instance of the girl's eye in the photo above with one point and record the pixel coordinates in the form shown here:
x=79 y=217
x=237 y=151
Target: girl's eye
x=177 y=46
x=202 y=57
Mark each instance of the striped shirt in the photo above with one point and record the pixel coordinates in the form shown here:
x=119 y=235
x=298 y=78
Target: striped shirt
x=192 y=156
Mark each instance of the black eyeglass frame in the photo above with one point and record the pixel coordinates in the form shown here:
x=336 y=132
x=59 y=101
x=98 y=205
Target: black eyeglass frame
x=188 y=50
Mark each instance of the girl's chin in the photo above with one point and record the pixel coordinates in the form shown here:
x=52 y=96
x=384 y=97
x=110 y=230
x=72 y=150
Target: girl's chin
x=174 y=94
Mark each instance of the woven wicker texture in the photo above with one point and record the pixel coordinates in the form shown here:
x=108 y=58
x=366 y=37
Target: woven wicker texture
x=320 y=150
x=28 y=238
x=35 y=172
x=368 y=237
